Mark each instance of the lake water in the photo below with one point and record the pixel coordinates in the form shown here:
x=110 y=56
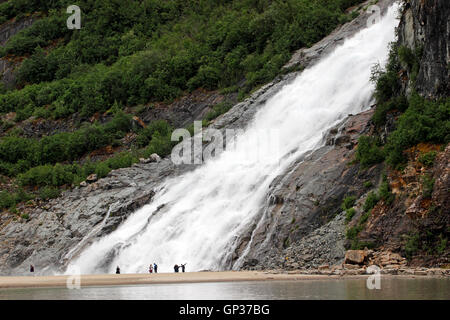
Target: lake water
x=353 y=289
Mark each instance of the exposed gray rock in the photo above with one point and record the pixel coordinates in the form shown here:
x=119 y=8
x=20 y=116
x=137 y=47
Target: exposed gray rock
x=55 y=229
x=154 y=158
x=92 y=178
x=8 y=30
x=426 y=25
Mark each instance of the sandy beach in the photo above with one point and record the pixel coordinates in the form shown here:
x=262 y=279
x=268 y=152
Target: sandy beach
x=134 y=279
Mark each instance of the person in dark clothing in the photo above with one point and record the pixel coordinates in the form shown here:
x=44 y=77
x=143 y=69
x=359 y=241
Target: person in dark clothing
x=183 y=267
x=175 y=268
x=155 y=267
x=31 y=268
x=117 y=270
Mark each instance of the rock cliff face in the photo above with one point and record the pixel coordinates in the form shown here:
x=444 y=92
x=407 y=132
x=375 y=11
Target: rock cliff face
x=7 y=30
x=425 y=24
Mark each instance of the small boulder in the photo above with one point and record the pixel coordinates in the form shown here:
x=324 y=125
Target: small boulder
x=83 y=184
x=155 y=158
x=92 y=178
x=355 y=256
x=348 y=266
x=143 y=160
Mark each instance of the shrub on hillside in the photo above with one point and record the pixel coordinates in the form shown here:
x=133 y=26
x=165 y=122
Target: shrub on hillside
x=369 y=151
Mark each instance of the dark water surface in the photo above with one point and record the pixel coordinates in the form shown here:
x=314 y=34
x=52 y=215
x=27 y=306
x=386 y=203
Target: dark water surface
x=353 y=289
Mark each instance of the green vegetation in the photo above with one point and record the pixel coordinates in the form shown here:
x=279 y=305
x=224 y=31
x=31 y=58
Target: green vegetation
x=368 y=184
x=10 y=199
x=146 y=134
x=140 y=51
x=25 y=216
x=58 y=175
x=347 y=206
x=371 y=200
x=421 y=120
x=361 y=245
x=369 y=151
x=431 y=242
x=18 y=154
x=49 y=192
x=395 y=104
x=348 y=202
x=349 y=214
x=387 y=84
x=442 y=245
x=352 y=233
x=428 y=185
x=427 y=159
x=218 y=110
x=411 y=60
x=411 y=245
x=385 y=193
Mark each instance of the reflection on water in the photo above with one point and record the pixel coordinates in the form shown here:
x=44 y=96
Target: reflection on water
x=393 y=288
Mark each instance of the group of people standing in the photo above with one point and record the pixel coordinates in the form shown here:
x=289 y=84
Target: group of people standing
x=151 y=268
x=154 y=268
x=176 y=267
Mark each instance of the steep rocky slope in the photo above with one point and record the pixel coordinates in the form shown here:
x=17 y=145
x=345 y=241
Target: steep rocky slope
x=304 y=223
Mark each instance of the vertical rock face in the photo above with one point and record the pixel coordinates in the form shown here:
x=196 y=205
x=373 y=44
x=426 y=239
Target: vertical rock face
x=7 y=30
x=426 y=24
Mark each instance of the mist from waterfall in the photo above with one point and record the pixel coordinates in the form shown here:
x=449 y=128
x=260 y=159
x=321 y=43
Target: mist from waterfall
x=194 y=218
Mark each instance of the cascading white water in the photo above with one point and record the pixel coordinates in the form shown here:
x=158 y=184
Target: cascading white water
x=207 y=208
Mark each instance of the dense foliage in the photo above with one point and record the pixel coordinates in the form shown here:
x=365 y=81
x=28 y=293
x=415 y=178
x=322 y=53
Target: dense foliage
x=421 y=120
x=137 y=51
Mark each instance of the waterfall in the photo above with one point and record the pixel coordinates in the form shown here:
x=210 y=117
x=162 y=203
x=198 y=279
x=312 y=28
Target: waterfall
x=195 y=217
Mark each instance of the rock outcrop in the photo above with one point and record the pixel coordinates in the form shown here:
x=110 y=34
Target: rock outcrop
x=425 y=25
x=7 y=30
x=355 y=256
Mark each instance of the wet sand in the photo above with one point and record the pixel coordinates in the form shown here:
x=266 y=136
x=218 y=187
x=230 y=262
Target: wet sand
x=133 y=279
